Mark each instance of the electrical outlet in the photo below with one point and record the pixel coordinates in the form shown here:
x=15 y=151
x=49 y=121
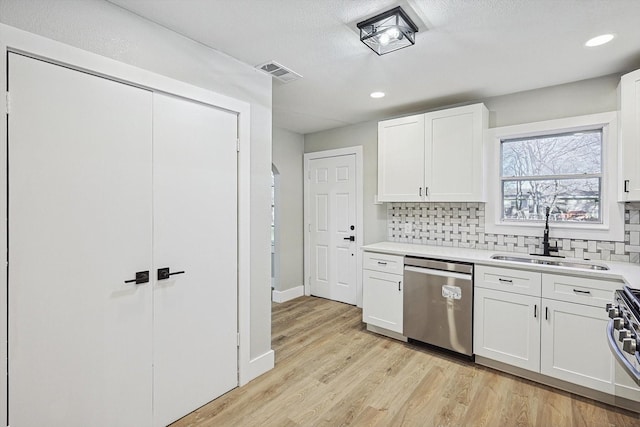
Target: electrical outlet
x=407 y=228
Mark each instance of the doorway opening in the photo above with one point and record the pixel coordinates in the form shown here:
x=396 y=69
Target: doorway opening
x=275 y=185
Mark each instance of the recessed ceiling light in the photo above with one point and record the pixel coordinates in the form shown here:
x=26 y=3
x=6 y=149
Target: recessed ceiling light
x=377 y=94
x=599 y=40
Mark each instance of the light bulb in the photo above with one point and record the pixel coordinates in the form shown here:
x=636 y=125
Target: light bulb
x=393 y=33
x=384 y=39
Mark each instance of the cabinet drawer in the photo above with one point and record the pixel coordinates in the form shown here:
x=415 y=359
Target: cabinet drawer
x=384 y=262
x=581 y=290
x=509 y=280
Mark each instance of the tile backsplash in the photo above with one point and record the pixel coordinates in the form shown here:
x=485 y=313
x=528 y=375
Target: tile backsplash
x=462 y=225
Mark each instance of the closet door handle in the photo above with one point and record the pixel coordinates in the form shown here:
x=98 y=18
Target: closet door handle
x=141 y=277
x=626 y=185
x=163 y=273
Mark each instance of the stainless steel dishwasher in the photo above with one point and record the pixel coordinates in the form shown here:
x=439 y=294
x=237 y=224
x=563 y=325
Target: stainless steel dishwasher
x=438 y=303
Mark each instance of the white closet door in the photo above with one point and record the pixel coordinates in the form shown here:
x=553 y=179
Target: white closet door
x=79 y=226
x=195 y=231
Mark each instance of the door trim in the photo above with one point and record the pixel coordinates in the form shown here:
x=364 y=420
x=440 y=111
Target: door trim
x=19 y=41
x=357 y=151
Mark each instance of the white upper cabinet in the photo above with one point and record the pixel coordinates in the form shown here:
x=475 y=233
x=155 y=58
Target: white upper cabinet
x=401 y=159
x=453 y=153
x=630 y=136
x=435 y=156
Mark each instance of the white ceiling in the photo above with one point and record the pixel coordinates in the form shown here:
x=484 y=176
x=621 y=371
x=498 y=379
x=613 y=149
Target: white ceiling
x=465 y=50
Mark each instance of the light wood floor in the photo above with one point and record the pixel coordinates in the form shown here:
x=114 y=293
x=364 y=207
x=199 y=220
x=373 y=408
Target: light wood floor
x=330 y=371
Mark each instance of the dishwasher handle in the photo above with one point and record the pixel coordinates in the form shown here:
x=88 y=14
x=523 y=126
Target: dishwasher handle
x=441 y=273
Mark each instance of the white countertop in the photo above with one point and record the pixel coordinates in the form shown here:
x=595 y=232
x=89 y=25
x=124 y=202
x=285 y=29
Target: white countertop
x=623 y=271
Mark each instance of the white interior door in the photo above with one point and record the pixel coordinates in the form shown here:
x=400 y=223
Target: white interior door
x=332 y=222
x=79 y=226
x=195 y=231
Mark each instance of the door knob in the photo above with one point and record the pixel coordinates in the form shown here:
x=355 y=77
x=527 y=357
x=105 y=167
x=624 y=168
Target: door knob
x=163 y=273
x=350 y=238
x=141 y=277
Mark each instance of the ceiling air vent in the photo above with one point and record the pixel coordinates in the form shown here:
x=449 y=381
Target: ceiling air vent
x=278 y=71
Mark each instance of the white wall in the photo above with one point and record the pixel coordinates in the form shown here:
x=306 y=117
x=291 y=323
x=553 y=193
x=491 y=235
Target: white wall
x=572 y=99
x=105 y=29
x=288 y=148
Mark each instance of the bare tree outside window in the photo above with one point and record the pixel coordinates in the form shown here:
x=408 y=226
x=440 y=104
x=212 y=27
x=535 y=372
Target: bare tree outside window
x=562 y=171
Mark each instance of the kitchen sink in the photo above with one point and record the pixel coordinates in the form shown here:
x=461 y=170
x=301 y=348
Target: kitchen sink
x=546 y=261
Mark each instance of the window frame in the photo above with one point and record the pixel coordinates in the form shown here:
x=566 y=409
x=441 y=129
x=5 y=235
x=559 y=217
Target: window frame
x=612 y=226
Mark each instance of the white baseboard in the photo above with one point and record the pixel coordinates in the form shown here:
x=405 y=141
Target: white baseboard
x=257 y=367
x=287 y=295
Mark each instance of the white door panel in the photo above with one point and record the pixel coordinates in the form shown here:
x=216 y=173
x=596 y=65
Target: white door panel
x=195 y=214
x=112 y=181
x=333 y=213
x=79 y=226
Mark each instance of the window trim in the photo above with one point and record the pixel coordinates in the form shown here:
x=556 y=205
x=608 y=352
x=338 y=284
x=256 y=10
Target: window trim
x=612 y=226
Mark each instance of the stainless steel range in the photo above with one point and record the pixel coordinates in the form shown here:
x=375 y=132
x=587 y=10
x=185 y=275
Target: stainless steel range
x=623 y=330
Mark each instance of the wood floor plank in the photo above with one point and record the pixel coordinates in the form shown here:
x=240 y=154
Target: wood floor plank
x=331 y=371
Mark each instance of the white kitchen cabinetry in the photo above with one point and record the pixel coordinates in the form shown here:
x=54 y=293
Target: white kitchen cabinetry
x=453 y=153
x=538 y=321
x=435 y=156
x=574 y=317
x=507 y=316
x=401 y=159
x=629 y=92
x=382 y=288
x=568 y=327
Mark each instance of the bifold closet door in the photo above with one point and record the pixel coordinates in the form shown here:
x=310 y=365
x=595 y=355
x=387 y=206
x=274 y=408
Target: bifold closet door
x=80 y=225
x=195 y=236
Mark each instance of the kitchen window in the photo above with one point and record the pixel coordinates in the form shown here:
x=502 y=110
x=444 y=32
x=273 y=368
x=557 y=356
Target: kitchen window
x=569 y=165
x=559 y=171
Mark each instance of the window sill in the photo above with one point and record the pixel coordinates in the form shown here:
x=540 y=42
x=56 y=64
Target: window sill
x=614 y=231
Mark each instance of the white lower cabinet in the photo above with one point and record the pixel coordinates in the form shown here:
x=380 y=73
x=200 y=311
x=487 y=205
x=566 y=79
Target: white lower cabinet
x=557 y=329
x=507 y=328
x=382 y=300
x=382 y=291
x=574 y=345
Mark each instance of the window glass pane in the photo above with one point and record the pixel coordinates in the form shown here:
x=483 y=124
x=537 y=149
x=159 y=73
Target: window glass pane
x=560 y=154
x=573 y=200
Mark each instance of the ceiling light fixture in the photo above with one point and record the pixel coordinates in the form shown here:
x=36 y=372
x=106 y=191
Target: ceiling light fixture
x=388 y=31
x=599 y=40
x=377 y=94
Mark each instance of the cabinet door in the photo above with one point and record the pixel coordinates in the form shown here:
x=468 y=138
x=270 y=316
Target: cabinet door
x=630 y=135
x=453 y=153
x=401 y=159
x=382 y=300
x=507 y=328
x=574 y=345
